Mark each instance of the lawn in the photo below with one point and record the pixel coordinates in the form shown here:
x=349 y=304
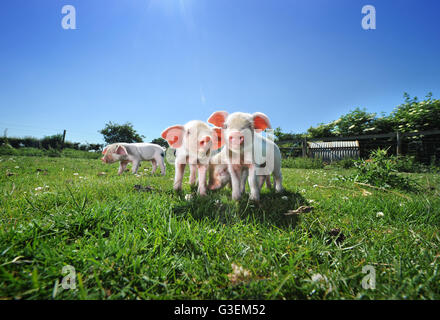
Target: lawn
x=132 y=237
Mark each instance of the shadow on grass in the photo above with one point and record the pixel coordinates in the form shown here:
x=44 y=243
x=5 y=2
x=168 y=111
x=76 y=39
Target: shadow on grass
x=219 y=207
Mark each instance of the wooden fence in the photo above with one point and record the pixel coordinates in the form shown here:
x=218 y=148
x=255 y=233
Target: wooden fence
x=399 y=142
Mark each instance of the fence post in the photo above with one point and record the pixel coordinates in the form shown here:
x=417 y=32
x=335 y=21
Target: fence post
x=5 y=140
x=64 y=139
x=304 y=148
x=399 y=143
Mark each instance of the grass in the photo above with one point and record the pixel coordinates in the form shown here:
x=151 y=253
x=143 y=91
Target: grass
x=135 y=243
x=303 y=163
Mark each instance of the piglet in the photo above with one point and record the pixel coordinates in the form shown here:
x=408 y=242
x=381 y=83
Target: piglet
x=194 y=142
x=246 y=149
x=134 y=153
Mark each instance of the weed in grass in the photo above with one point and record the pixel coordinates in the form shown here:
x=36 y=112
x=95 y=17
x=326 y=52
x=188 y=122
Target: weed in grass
x=380 y=171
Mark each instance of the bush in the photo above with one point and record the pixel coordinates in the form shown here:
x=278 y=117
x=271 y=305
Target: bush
x=72 y=153
x=30 y=142
x=53 y=153
x=48 y=142
x=13 y=142
x=7 y=150
x=416 y=115
x=52 y=142
x=346 y=163
x=412 y=115
x=303 y=163
x=408 y=164
x=380 y=171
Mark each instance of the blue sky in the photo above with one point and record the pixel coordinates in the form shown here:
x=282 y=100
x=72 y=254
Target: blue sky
x=157 y=63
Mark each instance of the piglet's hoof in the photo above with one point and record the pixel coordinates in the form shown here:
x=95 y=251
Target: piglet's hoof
x=255 y=199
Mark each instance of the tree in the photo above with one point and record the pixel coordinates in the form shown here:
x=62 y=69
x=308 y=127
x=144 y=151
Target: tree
x=415 y=115
x=114 y=132
x=283 y=136
x=356 y=122
x=322 y=130
x=95 y=146
x=160 y=141
x=52 y=142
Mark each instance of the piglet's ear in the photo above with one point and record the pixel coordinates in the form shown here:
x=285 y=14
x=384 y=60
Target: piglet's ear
x=218 y=138
x=261 y=121
x=174 y=136
x=218 y=118
x=105 y=150
x=121 y=151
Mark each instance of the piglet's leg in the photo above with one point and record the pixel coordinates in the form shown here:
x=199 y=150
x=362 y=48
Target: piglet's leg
x=122 y=166
x=244 y=176
x=235 y=172
x=180 y=169
x=154 y=164
x=253 y=184
x=135 y=166
x=192 y=174
x=202 y=179
x=278 y=182
x=261 y=180
x=161 y=165
x=268 y=184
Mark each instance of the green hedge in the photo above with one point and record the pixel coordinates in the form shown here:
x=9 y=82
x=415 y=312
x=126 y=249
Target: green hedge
x=7 y=150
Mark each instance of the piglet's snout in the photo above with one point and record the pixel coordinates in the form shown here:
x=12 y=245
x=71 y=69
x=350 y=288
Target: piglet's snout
x=236 y=138
x=205 y=141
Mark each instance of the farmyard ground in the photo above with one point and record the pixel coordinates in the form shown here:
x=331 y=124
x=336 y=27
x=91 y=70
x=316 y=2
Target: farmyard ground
x=128 y=241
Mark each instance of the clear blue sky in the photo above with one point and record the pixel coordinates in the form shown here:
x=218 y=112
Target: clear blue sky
x=158 y=63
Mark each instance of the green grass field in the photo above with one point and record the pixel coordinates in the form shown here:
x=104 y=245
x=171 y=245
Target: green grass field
x=128 y=242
